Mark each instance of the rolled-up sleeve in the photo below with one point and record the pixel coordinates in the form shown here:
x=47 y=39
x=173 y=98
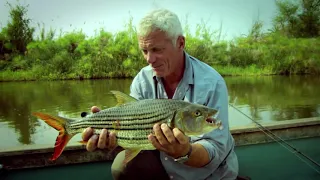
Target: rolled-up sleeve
x=217 y=142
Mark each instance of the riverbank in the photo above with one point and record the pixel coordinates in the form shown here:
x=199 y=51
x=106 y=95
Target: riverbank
x=8 y=75
x=74 y=56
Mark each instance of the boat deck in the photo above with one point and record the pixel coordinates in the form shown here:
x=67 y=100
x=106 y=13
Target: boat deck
x=273 y=161
x=260 y=161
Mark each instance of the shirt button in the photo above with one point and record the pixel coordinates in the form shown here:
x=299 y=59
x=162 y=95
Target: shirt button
x=165 y=158
x=171 y=177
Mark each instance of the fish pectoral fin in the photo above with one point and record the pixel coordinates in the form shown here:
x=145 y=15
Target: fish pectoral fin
x=129 y=155
x=123 y=98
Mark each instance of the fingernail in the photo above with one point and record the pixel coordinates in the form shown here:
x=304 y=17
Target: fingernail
x=86 y=130
x=163 y=126
x=95 y=137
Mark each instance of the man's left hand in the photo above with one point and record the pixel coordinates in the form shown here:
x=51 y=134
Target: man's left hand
x=173 y=142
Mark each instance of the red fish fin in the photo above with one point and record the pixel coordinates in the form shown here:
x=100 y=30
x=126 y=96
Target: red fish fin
x=129 y=155
x=61 y=142
x=59 y=124
x=56 y=122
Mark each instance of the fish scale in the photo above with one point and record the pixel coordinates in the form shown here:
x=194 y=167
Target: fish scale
x=132 y=122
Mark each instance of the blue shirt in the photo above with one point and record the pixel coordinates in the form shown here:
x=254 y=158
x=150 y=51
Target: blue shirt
x=203 y=85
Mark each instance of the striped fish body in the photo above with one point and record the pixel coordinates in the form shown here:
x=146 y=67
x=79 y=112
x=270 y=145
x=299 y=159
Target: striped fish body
x=132 y=122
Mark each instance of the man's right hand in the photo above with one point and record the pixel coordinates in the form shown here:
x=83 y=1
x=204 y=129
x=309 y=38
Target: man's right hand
x=105 y=140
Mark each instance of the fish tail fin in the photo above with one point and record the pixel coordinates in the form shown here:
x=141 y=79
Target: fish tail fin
x=59 y=123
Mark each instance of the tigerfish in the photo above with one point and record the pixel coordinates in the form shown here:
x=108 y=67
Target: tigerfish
x=132 y=121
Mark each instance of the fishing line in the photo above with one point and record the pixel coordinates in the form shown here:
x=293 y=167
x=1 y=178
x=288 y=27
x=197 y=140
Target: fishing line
x=295 y=150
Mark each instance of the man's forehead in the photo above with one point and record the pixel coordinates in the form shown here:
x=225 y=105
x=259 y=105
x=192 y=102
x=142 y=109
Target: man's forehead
x=153 y=40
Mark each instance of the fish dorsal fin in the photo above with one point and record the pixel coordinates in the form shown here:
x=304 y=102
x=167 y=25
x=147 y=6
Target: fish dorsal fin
x=123 y=98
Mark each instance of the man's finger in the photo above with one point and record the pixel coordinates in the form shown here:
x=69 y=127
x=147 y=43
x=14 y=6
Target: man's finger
x=155 y=142
x=92 y=143
x=87 y=133
x=159 y=135
x=94 y=109
x=168 y=133
x=182 y=139
x=103 y=139
x=112 y=140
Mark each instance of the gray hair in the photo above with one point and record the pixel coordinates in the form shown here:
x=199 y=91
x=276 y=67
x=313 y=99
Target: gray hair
x=161 y=19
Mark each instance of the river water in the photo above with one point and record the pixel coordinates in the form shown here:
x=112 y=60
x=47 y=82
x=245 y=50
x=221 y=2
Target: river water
x=271 y=98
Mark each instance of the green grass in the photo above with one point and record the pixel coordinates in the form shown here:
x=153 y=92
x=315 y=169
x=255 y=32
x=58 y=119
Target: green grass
x=247 y=71
x=30 y=75
x=16 y=76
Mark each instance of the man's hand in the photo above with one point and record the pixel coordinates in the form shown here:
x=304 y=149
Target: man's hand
x=105 y=140
x=173 y=142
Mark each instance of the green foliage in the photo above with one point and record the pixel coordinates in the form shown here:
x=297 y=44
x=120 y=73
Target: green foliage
x=289 y=49
x=18 y=30
x=14 y=39
x=258 y=53
x=281 y=54
x=298 y=19
x=73 y=55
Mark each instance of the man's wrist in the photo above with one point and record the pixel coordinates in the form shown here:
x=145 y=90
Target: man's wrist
x=189 y=150
x=184 y=157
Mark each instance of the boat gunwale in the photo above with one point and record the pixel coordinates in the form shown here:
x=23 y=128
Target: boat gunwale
x=235 y=131
x=274 y=125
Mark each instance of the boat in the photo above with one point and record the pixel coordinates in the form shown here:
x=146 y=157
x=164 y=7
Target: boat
x=286 y=149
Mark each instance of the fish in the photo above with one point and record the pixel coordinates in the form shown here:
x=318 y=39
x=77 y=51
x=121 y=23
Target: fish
x=132 y=120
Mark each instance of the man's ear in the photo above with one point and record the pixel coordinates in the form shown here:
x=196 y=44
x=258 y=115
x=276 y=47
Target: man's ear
x=181 y=42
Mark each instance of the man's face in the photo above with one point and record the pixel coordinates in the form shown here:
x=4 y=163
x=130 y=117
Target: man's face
x=160 y=53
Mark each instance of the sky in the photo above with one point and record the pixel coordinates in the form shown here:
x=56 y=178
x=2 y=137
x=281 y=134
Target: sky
x=235 y=16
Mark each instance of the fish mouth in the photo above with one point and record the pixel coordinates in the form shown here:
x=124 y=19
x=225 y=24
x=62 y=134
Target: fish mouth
x=214 y=122
x=211 y=120
x=212 y=117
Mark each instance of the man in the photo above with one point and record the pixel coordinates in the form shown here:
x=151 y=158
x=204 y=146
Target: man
x=172 y=73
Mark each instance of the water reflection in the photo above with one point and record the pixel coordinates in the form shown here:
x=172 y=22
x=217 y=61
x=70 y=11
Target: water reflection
x=275 y=98
x=264 y=98
x=19 y=99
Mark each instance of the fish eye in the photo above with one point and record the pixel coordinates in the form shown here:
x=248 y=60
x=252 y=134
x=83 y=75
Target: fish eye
x=197 y=113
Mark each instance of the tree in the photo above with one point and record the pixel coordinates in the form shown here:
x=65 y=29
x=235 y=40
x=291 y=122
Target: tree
x=298 y=19
x=18 y=30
